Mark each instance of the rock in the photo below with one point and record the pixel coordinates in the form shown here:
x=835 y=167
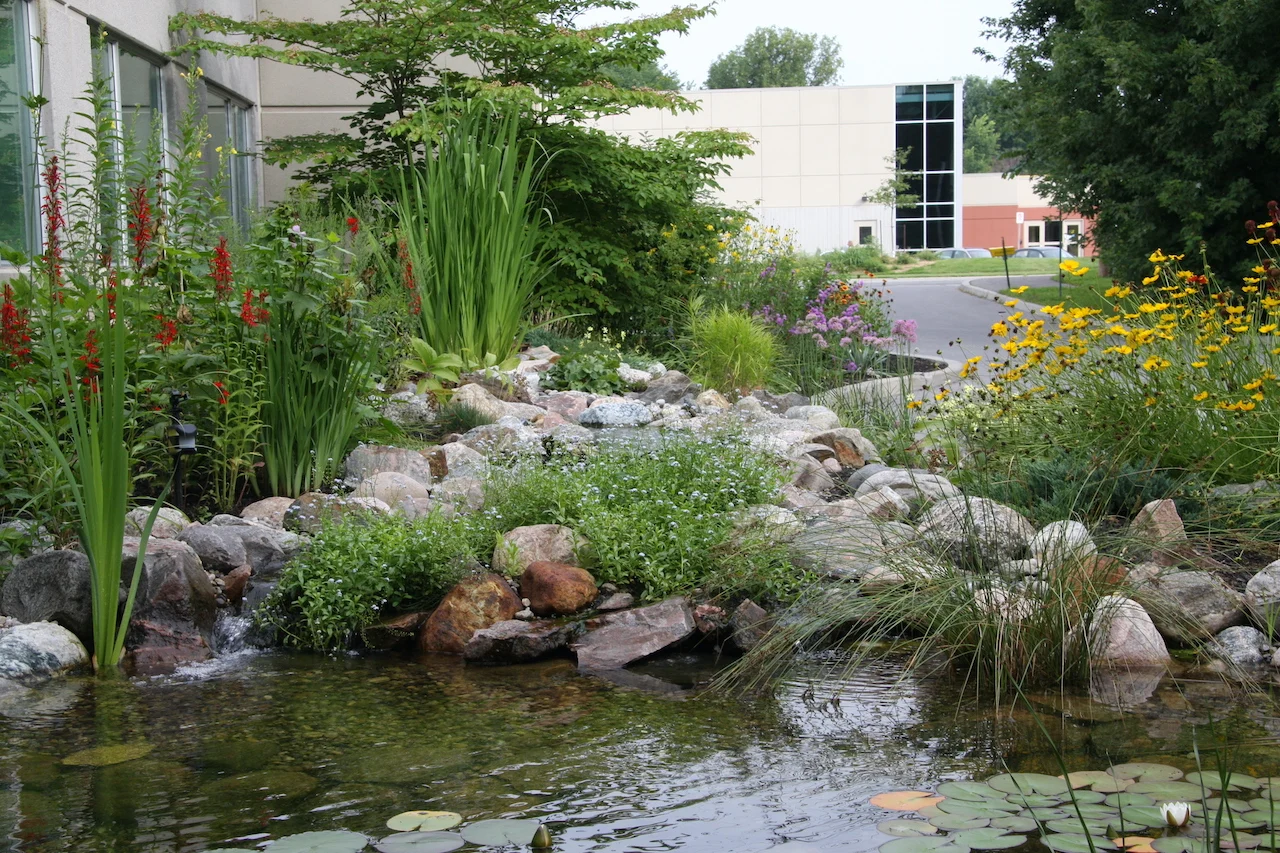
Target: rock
x=464 y=494
x=534 y=543
x=174 y=612
x=1262 y=597
x=779 y=402
x=476 y=602
x=566 y=404
x=773 y=521
x=627 y=413
x=632 y=377
x=616 y=601
x=52 y=586
x=220 y=549
x=368 y=460
x=841 y=550
x=831 y=466
x=1016 y=570
x=712 y=401
x=914 y=486
x=861 y=475
x=391 y=632
x=617 y=639
x=557 y=589
x=1061 y=542
x=818 y=417
x=974 y=529
x=514 y=641
x=169 y=522
x=792 y=498
x=409 y=411
x=1159 y=526
x=398 y=491
x=1241 y=646
x=235 y=582
x=268 y=511
x=507 y=437
x=819 y=452
x=310 y=512
x=709 y=619
x=37 y=650
x=267 y=548
x=1121 y=632
x=1190 y=606
x=478 y=398
x=751 y=407
x=541 y=353
x=809 y=475
x=750 y=623
x=670 y=387
x=852 y=450
x=879 y=579
x=884 y=504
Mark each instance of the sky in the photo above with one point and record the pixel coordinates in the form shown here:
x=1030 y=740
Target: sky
x=883 y=41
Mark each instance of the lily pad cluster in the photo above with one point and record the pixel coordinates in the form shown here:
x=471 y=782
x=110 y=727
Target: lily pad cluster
x=416 y=832
x=1092 y=811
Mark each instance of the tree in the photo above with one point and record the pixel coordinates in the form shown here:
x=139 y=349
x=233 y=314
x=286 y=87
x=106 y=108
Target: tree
x=985 y=98
x=611 y=200
x=650 y=76
x=896 y=189
x=1157 y=119
x=778 y=57
x=981 y=144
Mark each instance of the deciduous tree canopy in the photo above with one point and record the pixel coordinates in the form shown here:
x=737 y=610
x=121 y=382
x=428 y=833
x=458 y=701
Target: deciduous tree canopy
x=778 y=57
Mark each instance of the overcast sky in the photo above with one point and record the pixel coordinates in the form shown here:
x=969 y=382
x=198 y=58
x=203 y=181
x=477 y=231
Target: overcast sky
x=883 y=41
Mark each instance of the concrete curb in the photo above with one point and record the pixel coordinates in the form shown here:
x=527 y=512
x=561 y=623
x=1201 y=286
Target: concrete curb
x=983 y=293
x=892 y=390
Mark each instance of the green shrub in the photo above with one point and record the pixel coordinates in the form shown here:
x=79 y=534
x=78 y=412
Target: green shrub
x=731 y=351
x=458 y=417
x=353 y=572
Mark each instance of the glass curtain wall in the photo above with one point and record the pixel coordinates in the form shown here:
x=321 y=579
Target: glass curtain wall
x=18 y=205
x=926 y=130
x=226 y=157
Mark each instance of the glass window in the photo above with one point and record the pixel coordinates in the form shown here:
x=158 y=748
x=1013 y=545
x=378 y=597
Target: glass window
x=940 y=102
x=940 y=233
x=940 y=211
x=1033 y=234
x=865 y=234
x=910 y=138
x=940 y=187
x=228 y=128
x=18 y=207
x=911 y=234
x=939 y=147
x=910 y=101
x=138 y=99
x=1053 y=231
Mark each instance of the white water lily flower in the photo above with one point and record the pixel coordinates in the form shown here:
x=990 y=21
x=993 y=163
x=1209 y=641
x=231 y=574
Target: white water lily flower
x=1176 y=814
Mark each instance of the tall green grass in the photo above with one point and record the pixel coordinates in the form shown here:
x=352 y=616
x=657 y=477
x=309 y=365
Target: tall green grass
x=471 y=226
x=731 y=351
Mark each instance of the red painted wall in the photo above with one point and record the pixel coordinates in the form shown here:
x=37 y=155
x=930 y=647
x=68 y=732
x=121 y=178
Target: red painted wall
x=984 y=225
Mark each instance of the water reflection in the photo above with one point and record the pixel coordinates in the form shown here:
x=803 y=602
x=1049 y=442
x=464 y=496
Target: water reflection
x=643 y=761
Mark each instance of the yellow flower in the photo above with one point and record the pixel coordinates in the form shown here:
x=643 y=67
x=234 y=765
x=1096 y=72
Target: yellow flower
x=999 y=329
x=1069 y=266
x=1203 y=395
x=1152 y=279
x=1080 y=271
x=711 y=228
x=941 y=395
x=1022 y=289
x=1239 y=328
x=1213 y=348
x=914 y=404
x=1198 y=364
x=1150 y=401
x=1267 y=329
x=1158 y=257
x=1154 y=362
x=1153 y=307
x=1011 y=303
x=1259 y=396
x=1117 y=292
x=1120 y=350
x=1253 y=386
x=1254 y=241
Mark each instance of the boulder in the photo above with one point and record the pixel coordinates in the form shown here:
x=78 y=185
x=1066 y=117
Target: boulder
x=914 y=486
x=390 y=632
x=1190 y=606
x=852 y=450
x=818 y=417
x=632 y=377
x=475 y=602
x=1241 y=646
x=52 y=586
x=507 y=437
x=792 y=498
x=861 y=475
x=974 y=529
x=712 y=401
x=479 y=399
x=616 y=601
x=708 y=618
x=1061 y=542
x=557 y=589
x=1121 y=632
x=220 y=549
x=311 y=511
x=1159 y=527
x=464 y=494
x=808 y=474
x=370 y=459
x=750 y=622
x=669 y=387
x=462 y=461
x=551 y=543
x=513 y=641
x=410 y=411
x=840 y=550
x=38 y=650
x=774 y=521
x=629 y=413
x=235 y=582
x=779 y=402
x=175 y=608
x=1262 y=597
x=566 y=404
x=268 y=511
x=884 y=504
x=571 y=437
x=267 y=548
x=168 y=523
x=617 y=639
x=398 y=491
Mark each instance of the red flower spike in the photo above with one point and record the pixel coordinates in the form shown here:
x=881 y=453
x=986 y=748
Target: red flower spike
x=220 y=270
x=141 y=224
x=353 y=224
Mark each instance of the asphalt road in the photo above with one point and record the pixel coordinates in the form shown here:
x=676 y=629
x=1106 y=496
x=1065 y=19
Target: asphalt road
x=950 y=324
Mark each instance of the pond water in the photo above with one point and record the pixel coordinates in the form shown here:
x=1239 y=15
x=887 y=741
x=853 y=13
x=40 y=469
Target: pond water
x=254 y=747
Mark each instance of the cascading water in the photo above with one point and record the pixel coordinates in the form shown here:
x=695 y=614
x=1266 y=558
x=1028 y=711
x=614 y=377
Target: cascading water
x=231 y=633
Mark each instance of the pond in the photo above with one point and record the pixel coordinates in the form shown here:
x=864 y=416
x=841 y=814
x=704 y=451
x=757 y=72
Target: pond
x=254 y=747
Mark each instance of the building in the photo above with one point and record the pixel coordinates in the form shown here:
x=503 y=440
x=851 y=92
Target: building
x=1008 y=210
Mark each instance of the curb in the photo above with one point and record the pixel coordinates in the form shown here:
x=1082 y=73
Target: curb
x=993 y=296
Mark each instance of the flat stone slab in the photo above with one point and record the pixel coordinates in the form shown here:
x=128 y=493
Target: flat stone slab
x=618 y=639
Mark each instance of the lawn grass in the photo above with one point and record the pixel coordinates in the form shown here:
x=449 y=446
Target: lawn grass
x=962 y=267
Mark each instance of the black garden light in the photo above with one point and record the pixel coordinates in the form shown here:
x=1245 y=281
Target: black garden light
x=184 y=443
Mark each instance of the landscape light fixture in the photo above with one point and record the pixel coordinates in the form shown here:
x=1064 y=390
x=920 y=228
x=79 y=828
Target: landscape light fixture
x=184 y=443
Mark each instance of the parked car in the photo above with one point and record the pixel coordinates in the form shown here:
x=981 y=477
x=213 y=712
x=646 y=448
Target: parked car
x=1055 y=252
x=964 y=253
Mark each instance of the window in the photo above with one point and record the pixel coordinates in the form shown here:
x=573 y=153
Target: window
x=228 y=146
x=1033 y=235
x=137 y=99
x=1053 y=231
x=926 y=130
x=19 y=210
x=865 y=235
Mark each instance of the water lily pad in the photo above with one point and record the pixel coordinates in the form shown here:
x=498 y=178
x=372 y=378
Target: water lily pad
x=951 y=822
x=1132 y=820
x=500 y=831
x=1264 y=804
x=1135 y=843
x=1238 y=841
x=1046 y=815
x=1016 y=823
x=1092 y=811
x=423 y=821
x=1113 y=784
x=1064 y=843
x=1213 y=779
x=420 y=842
x=989 y=808
x=1179 y=844
x=1248 y=820
x=327 y=841
x=1128 y=799
x=1167 y=791
x=1035 y=800
x=904 y=828
x=1215 y=803
x=103 y=756
x=1028 y=783
x=1085 y=797
x=919 y=844
x=1073 y=826
x=930 y=812
x=970 y=791
x=1085 y=778
x=905 y=801
x=1145 y=771
x=987 y=839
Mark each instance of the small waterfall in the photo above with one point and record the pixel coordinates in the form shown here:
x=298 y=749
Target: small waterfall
x=231 y=634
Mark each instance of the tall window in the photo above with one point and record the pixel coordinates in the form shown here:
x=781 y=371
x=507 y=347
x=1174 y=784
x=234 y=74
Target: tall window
x=18 y=206
x=137 y=98
x=926 y=129
x=228 y=145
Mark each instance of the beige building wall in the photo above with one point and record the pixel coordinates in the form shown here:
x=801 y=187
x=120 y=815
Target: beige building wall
x=992 y=188
x=818 y=152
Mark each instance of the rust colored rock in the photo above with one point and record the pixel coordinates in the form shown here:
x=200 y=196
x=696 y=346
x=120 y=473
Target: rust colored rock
x=234 y=583
x=476 y=602
x=516 y=642
x=709 y=619
x=159 y=648
x=392 y=631
x=750 y=623
x=557 y=589
x=1158 y=524
x=438 y=461
x=617 y=639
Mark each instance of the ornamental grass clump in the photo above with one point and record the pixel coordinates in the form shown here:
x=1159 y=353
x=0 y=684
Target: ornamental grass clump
x=731 y=351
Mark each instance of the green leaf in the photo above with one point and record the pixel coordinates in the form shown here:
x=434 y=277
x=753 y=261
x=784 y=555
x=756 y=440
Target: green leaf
x=501 y=831
x=423 y=821
x=1028 y=783
x=919 y=844
x=328 y=841
x=905 y=828
x=420 y=842
x=1064 y=843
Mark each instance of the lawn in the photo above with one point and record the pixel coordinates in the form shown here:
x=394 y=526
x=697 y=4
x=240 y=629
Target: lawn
x=961 y=267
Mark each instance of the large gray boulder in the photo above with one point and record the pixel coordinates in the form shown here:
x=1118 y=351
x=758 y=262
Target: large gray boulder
x=269 y=511
x=627 y=413
x=507 y=437
x=914 y=486
x=670 y=387
x=267 y=547
x=409 y=411
x=534 y=543
x=817 y=417
x=168 y=522
x=52 y=586
x=977 y=530
x=844 y=550
x=370 y=459
x=1061 y=542
x=1121 y=633
x=175 y=608
x=399 y=491
x=312 y=510
x=618 y=639
x=1262 y=597
x=478 y=398
x=1189 y=607
x=38 y=650
x=514 y=641
x=220 y=549
x=1241 y=646
x=852 y=449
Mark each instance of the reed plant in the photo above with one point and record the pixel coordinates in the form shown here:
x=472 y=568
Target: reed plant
x=730 y=350
x=471 y=249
